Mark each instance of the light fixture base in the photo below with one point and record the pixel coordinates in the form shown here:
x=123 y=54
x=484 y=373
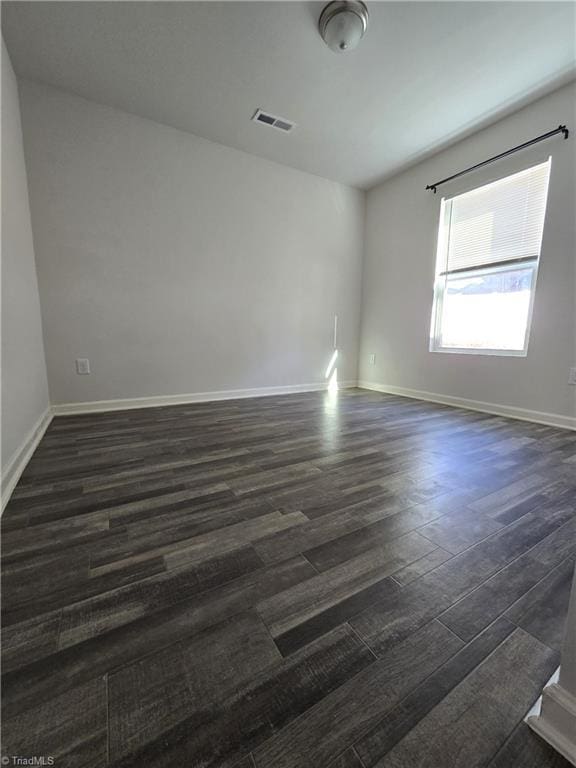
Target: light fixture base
x=343 y=23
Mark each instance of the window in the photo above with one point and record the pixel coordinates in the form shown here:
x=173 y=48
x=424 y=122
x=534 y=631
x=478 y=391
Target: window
x=488 y=250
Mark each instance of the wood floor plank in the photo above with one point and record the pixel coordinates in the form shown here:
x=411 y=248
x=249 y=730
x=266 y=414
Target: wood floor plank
x=400 y=614
x=524 y=749
x=348 y=759
x=418 y=568
x=71 y=728
x=341 y=719
x=457 y=531
x=366 y=537
x=31 y=577
x=86 y=505
x=273 y=478
x=323 y=620
x=472 y=722
x=322 y=497
x=52 y=537
x=283 y=582
x=481 y=606
x=223 y=659
x=217 y=739
x=81 y=588
x=419 y=702
x=140 y=543
x=501 y=499
x=127 y=643
x=146 y=699
x=231 y=537
x=30 y=640
x=246 y=762
x=302 y=602
x=142 y=508
x=542 y=610
x=343 y=526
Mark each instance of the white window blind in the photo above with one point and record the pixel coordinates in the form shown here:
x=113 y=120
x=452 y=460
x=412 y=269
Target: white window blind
x=499 y=222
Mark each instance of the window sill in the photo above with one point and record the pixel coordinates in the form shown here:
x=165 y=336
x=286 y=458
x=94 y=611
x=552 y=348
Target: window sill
x=491 y=352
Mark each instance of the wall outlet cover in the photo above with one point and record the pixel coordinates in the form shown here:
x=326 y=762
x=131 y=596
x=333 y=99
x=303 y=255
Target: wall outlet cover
x=372 y=359
x=572 y=376
x=82 y=366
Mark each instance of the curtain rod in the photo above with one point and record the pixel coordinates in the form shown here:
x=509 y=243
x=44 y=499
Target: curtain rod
x=560 y=129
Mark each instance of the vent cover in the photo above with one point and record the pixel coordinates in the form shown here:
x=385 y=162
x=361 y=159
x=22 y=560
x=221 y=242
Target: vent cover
x=280 y=123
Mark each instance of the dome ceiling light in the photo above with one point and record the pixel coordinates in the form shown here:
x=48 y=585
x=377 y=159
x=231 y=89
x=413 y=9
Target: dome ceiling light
x=342 y=24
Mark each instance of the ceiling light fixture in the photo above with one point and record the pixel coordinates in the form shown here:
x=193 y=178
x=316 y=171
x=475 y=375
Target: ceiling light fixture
x=342 y=24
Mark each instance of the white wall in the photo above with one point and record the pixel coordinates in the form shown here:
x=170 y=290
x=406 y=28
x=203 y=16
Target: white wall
x=401 y=233
x=24 y=385
x=181 y=266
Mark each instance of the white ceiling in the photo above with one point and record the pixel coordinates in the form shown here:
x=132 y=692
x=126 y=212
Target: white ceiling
x=426 y=73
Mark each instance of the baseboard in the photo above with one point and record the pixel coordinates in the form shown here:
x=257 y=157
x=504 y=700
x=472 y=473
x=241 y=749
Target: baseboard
x=20 y=459
x=511 y=412
x=102 y=406
x=22 y=456
x=556 y=740
x=553 y=718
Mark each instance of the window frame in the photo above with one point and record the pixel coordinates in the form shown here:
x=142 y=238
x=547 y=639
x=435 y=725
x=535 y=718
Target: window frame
x=439 y=291
x=441 y=280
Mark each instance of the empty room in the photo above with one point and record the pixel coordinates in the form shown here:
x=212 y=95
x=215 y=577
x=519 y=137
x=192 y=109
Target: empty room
x=288 y=384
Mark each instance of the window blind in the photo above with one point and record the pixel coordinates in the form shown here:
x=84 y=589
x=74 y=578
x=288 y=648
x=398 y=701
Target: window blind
x=499 y=222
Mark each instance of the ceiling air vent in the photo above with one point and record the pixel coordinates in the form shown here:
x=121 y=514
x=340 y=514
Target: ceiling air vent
x=273 y=121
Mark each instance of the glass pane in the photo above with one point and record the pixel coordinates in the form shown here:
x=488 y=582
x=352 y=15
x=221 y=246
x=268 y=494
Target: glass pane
x=486 y=310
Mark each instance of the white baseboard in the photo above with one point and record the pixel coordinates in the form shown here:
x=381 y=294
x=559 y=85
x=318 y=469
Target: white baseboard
x=553 y=718
x=102 y=406
x=510 y=411
x=19 y=460
x=17 y=464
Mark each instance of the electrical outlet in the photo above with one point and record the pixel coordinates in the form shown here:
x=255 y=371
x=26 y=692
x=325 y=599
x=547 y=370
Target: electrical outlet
x=372 y=359
x=82 y=365
x=572 y=376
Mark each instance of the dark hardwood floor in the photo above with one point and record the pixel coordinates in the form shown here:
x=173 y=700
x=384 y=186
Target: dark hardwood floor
x=308 y=580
